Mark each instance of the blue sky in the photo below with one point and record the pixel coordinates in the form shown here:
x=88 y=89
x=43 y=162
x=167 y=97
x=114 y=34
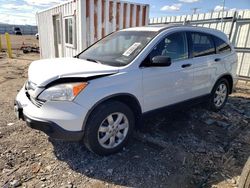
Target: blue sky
x=23 y=11
x=182 y=7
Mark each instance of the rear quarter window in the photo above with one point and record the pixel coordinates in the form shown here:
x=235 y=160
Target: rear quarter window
x=221 y=45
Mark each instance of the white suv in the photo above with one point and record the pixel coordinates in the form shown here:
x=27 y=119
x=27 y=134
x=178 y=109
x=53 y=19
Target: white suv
x=100 y=96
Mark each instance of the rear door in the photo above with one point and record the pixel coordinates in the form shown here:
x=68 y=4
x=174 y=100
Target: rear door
x=225 y=60
x=164 y=86
x=203 y=56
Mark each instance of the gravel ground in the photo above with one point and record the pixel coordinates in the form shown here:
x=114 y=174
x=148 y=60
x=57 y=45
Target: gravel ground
x=192 y=147
x=19 y=40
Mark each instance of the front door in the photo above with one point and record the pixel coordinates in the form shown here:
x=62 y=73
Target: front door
x=57 y=36
x=164 y=86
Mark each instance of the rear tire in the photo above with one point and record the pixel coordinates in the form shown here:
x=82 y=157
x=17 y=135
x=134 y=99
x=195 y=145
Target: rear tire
x=219 y=95
x=109 y=128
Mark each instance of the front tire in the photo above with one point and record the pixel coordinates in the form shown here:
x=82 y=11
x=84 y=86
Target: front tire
x=219 y=95
x=109 y=128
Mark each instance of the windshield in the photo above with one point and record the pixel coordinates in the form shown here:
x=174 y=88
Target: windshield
x=119 y=48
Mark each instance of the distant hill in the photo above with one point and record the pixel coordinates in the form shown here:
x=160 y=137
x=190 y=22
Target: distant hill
x=25 y=29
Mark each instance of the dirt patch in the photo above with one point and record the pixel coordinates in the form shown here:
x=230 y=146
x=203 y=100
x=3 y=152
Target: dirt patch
x=188 y=148
x=18 y=40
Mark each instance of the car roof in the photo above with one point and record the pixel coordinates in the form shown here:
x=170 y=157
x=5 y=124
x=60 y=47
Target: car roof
x=163 y=27
x=155 y=28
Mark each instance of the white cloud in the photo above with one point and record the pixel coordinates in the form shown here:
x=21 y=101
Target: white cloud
x=43 y=2
x=25 y=13
x=16 y=7
x=18 y=14
x=189 y=1
x=232 y=9
x=174 y=7
x=219 y=8
x=18 y=18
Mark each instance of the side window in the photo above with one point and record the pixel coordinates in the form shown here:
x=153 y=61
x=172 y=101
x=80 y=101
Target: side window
x=173 y=46
x=202 y=44
x=69 y=28
x=221 y=45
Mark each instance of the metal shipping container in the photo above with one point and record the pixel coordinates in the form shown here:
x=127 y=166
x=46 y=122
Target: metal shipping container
x=68 y=28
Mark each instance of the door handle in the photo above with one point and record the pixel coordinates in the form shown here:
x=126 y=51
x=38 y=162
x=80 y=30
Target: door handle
x=217 y=59
x=186 y=65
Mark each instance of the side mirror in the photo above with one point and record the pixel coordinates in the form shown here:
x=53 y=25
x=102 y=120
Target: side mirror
x=160 y=61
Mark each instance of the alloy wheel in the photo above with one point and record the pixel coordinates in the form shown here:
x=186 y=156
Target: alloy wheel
x=220 y=95
x=113 y=130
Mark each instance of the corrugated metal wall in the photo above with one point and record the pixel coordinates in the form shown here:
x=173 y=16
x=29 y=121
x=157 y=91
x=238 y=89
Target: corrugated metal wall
x=235 y=24
x=94 y=20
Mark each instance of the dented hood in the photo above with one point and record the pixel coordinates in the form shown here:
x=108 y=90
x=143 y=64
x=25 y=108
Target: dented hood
x=44 y=71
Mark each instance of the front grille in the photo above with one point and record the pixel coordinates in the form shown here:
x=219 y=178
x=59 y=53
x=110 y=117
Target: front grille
x=36 y=102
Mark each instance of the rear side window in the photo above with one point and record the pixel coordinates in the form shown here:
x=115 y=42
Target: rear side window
x=221 y=46
x=202 y=44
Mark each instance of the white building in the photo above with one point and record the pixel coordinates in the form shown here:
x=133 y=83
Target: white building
x=68 y=28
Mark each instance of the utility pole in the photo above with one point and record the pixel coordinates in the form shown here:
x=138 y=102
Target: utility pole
x=194 y=10
x=222 y=15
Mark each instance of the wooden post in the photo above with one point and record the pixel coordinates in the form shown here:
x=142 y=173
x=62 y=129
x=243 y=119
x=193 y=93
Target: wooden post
x=7 y=36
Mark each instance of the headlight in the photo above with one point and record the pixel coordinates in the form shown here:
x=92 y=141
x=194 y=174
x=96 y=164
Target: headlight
x=62 y=92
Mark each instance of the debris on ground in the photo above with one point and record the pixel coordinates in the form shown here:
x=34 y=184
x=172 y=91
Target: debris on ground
x=29 y=48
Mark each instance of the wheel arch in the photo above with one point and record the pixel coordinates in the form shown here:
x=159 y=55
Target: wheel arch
x=130 y=100
x=229 y=78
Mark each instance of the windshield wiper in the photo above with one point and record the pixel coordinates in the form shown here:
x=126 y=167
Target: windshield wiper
x=93 y=60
